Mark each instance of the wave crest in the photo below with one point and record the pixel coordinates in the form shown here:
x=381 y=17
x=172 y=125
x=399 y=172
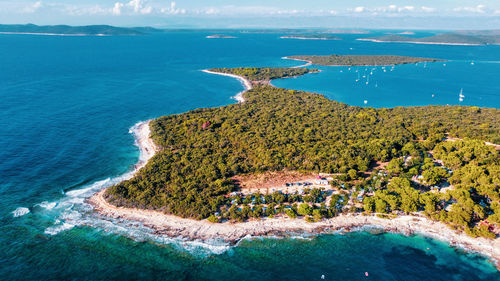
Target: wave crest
x=19 y=212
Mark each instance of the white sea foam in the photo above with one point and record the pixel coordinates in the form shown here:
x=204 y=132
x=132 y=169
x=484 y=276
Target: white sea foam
x=55 y=229
x=19 y=212
x=72 y=209
x=205 y=248
x=47 y=205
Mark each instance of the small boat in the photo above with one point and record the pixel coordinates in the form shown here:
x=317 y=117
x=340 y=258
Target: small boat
x=461 y=93
x=365 y=101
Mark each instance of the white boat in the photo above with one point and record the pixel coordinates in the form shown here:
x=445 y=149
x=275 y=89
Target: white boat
x=461 y=95
x=365 y=101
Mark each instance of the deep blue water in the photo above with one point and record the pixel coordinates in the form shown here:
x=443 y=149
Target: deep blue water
x=67 y=105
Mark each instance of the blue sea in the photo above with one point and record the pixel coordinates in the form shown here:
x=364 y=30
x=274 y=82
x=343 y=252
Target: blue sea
x=68 y=106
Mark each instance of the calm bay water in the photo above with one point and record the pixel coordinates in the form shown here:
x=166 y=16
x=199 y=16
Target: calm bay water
x=67 y=106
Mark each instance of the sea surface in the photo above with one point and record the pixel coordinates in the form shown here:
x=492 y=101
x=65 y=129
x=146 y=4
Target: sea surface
x=68 y=106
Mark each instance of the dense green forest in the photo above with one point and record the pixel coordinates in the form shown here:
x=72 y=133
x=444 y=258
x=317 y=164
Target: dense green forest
x=257 y=74
x=459 y=37
x=278 y=129
x=358 y=60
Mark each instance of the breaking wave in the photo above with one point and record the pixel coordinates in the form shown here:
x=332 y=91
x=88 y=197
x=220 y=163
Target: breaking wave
x=19 y=212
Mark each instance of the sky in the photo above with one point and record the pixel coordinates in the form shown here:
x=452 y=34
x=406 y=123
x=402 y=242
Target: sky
x=419 y=14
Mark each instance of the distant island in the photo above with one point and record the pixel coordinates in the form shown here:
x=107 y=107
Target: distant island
x=345 y=31
x=220 y=36
x=89 y=30
x=454 y=38
x=359 y=60
x=311 y=37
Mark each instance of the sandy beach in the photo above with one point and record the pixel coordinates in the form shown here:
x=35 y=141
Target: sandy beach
x=239 y=97
x=146 y=145
x=299 y=66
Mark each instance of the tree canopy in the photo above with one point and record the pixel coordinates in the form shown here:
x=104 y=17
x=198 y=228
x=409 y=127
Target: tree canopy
x=278 y=129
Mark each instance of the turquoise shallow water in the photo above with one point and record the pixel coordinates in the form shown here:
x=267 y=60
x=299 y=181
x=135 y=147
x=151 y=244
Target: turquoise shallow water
x=67 y=107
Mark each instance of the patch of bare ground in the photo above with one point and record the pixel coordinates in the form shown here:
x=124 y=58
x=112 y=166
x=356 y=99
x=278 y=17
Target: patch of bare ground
x=262 y=181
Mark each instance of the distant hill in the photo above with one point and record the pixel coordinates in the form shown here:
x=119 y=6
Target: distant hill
x=74 y=30
x=489 y=37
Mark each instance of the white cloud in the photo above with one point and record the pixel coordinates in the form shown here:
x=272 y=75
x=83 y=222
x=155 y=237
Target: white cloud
x=391 y=9
x=117 y=8
x=359 y=9
x=477 y=9
x=427 y=9
x=211 y=11
x=172 y=9
x=132 y=7
x=33 y=7
x=406 y=8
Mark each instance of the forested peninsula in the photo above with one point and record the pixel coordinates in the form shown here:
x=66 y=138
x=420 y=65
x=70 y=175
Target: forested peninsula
x=488 y=37
x=434 y=161
x=360 y=60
